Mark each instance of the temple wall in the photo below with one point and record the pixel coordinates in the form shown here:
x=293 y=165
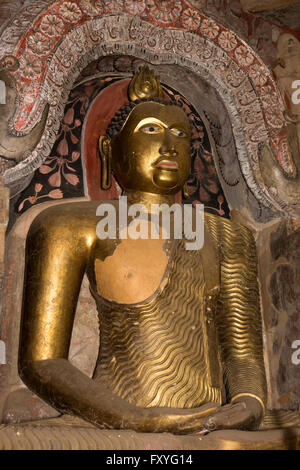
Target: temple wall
x=235 y=108
x=278 y=252
x=279 y=256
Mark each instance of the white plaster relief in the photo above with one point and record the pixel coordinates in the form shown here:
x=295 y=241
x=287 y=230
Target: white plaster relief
x=122 y=34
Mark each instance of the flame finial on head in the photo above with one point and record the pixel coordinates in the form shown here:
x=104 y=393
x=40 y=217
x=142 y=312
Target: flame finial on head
x=144 y=85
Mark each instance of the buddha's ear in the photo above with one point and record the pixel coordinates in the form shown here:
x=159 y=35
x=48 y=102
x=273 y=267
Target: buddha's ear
x=105 y=151
x=185 y=192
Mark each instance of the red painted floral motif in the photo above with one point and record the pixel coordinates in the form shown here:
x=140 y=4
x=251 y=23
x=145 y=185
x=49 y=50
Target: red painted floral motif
x=268 y=96
x=258 y=75
x=62 y=161
x=52 y=25
x=39 y=44
x=92 y=7
x=61 y=164
x=31 y=66
x=274 y=117
x=135 y=7
x=70 y=11
x=209 y=28
x=190 y=18
x=54 y=194
x=165 y=11
x=227 y=40
x=244 y=56
x=113 y=6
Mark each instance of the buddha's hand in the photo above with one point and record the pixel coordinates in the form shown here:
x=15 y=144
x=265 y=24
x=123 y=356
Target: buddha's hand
x=176 y=420
x=245 y=413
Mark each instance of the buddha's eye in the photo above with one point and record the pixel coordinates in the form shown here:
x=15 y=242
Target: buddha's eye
x=178 y=132
x=151 y=129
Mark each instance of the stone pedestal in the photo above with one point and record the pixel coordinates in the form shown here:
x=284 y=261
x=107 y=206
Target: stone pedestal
x=69 y=433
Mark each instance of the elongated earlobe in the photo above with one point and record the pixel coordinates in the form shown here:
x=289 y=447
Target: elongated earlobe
x=185 y=192
x=105 y=156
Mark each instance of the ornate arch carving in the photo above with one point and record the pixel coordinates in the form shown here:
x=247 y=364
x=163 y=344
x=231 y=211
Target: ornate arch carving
x=65 y=36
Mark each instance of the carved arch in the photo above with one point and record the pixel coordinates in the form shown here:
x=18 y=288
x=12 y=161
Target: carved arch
x=218 y=55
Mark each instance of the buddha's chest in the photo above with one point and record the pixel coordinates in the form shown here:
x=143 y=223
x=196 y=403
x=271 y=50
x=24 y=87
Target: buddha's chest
x=134 y=271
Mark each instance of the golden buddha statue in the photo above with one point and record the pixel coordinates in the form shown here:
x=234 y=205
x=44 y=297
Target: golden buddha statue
x=180 y=330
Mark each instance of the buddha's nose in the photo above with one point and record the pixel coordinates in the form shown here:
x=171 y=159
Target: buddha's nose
x=168 y=146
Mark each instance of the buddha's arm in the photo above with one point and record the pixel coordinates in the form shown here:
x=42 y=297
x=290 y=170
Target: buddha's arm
x=58 y=249
x=239 y=318
x=240 y=328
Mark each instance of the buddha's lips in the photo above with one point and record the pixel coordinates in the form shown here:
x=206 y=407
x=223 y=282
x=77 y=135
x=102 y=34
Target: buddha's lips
x=166 y=165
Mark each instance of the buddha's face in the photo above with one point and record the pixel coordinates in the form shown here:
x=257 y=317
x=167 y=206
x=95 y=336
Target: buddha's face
x=152 y=151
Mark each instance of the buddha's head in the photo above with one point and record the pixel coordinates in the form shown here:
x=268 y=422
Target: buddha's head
x=148 y=147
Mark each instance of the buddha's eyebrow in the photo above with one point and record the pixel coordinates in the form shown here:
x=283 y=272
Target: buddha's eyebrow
x=152 y=120
x=178 y=125
x=149 y=120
